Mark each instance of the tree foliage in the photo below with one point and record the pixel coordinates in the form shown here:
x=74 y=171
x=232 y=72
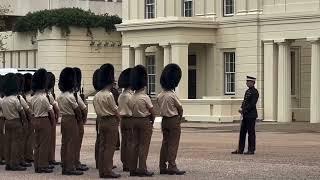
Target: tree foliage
x=3 y=11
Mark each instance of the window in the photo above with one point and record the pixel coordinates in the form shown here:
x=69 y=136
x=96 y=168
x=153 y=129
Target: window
x=229 y=73
x=150 y=9
x=151 y=70
x=228 y=7
x=188 y=8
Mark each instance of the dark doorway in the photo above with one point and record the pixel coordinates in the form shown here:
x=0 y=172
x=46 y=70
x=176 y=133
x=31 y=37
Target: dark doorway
x=192 y=79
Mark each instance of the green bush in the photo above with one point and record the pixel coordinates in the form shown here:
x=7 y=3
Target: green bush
x=64 y=18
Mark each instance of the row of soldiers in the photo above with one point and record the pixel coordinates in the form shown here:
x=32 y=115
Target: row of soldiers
x=30 y=112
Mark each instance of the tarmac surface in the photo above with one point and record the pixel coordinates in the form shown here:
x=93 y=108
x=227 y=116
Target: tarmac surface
x=284 y=151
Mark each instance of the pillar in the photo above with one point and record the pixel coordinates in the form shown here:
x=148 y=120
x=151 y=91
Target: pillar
x=315 y=81
x=127 y=57
x=211 y=79
x=180 y=57
x=270 y=81
x=166 y=54
x=284 y=82
x=139 y=53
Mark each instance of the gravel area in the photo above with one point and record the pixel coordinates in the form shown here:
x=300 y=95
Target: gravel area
x=284 y=151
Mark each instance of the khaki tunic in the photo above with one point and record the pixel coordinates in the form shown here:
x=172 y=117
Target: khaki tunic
x=168 y=102
x=67 y=103
x=11 y=107
x=140 y=104
x=123 y=101
x=104 y=103
x=40 y=105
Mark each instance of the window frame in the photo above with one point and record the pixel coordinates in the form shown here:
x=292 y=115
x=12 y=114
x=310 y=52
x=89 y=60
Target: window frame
x=185 y=10
x=225 y=9
x=226 y=83
x=152 y=74
x=146 y=12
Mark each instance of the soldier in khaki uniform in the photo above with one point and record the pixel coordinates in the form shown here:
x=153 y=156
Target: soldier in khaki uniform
x=13 y=112
x=42 y=122
x=106 y=109
x=69 y=128
x=126 y=116
x=171 y=111
x=29 y=131
x=84 y=112
x=142 y=123
x=51 y=80
x=2 y=121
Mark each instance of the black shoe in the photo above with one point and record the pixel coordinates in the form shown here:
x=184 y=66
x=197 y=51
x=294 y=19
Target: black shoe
x=249 y=153
x=82 y=168
x=176 y=172
x=29 y=160
x=146 y=174
x=18 y=168
x=8 y=168
x=54 y=163
x=113 y=167
x=43 y=170
x=237 y=152
x=125 y=169
x=72 y=173
x=111 y=176
x=50 y=167
x=2 y=162
x=133 y=173
x=24 y=164
x=118 y=148
x=163 y=171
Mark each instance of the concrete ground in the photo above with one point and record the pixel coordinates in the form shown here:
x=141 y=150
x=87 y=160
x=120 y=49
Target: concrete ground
x=284 y=151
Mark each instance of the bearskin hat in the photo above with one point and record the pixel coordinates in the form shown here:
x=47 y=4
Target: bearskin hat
x=27 y=82
x=11 y=85
x=138 y=77
x=170 y=77
x=51 y=80
x=39 y=80
x=106 y=75
x=78 y=77
x=1 y=85
x=20 y=81
x=95 y=80
x=124 y=79
x=67 y=80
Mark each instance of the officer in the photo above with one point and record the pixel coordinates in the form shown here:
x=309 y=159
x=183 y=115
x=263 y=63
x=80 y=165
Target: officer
x=249 y=113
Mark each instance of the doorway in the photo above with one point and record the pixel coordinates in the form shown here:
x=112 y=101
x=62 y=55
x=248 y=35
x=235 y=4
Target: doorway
x=192 y=77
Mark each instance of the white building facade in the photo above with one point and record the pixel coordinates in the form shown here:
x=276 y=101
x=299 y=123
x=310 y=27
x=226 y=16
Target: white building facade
x=217 y=43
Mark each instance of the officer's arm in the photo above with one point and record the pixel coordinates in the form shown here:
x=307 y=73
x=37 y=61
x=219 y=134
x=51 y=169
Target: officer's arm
x=251 y=103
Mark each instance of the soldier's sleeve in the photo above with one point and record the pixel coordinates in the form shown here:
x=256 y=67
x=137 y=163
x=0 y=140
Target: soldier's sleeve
x=251 y=102
x=112 y=103
x=82 y=105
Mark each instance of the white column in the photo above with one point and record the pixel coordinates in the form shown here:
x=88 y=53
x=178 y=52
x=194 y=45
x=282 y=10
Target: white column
x=270 y=81
x=315 y=81
x=241 y=7
x=166 y=54
x=127 y=57
x=211 y=78
x=284 y=82
x=139 y=55
x=180 y=57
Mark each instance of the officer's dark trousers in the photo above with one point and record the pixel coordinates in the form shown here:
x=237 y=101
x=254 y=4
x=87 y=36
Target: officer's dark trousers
x=247 y=126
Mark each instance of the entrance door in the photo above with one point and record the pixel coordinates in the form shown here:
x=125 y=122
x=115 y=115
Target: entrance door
x=192 y=79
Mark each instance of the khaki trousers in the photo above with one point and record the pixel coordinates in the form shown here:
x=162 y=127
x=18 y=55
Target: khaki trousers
x=42 y=128
x=108 y=132
x=126 y=138
x=29 y=141
x=69 y=131
x=96 y=148
x=13 y=131
x=171 y=131
x=79 y=142
x=139 y=146
x=2 y=139
x=52 y=150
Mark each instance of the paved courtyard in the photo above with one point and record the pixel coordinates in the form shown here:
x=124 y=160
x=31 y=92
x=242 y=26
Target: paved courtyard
x=289 y=151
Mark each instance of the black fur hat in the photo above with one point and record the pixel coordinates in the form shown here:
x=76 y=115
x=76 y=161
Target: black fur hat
x=1 y=85
x=67 y=80
x=124 y=78
x=39 y=80
x=95 y=80
x=170 y=77
x=138 y=77
x=78 y=77
x=20 y=81
x=51 y=80
x=106 y=75
x=11 y=85
x=27 y=82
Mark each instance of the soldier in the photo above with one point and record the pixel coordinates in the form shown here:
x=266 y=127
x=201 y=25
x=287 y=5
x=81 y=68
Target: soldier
x=2 y=121
x=84 y=112
x=29 y=130
x=13 y=112
x=42 y=122
x=249 y=113
x=126 y=116
x=51 y=80
x=69 y=128
x=23 y=139
x=116 y=94
x=97 y=89
x=142 y=123
x=171 y=111
x=106 y=109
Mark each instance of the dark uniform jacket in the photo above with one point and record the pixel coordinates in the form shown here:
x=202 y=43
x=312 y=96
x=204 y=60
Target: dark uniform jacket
x=249 y=108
